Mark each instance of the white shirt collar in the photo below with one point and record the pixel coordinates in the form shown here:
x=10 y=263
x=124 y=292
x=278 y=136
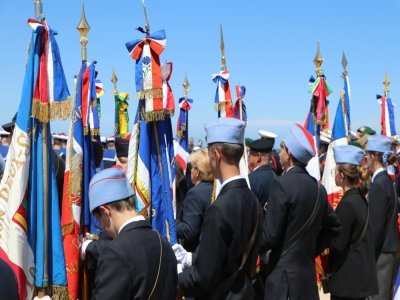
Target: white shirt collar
x=134 y=219
x=256 y=168
x=376 y=173
x=229 y=180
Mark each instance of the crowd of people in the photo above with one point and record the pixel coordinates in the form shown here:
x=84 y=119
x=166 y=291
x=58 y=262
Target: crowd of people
x=245 y=238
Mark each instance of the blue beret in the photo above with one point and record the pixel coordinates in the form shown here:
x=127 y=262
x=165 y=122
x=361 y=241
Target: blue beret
x=379 y=143
x=2 y=164
x=300 y=142
x=225 y=130
x=348 y=154
x=108 y=186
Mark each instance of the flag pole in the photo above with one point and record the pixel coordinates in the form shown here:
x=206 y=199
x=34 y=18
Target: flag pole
x=83 y=27
x=318 y=60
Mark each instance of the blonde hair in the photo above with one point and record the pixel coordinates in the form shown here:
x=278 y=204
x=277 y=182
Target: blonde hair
x=199 y=160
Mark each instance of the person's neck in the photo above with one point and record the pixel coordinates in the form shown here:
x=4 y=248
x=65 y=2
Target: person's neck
x=346 y=187
x=229 y=171
x=376 y=167
x=123 y=217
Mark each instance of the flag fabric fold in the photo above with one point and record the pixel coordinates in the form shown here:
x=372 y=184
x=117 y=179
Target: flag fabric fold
x=121 y=119
x=182 y=132
x=51 y=97
x=240 y=107
x=388 y=127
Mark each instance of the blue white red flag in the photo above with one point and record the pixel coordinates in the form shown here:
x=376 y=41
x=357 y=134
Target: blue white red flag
x=30 y=232
x=182 y=132
x=388 y=127
x=340 y=136
x=151 y=153
x=79 y=169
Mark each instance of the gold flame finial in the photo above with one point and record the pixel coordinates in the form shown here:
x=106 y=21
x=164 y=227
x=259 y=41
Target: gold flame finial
x=344 y=64
x=186 y=85
x=114 y=80
x=83 y=28
x=386 y=84
x=318 y=60
x=223 y=59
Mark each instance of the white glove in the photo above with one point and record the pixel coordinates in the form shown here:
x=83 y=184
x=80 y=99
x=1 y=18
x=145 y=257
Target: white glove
x=182 y=256
x=83 y=248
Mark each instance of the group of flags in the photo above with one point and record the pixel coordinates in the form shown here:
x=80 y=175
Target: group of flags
x=41 y=243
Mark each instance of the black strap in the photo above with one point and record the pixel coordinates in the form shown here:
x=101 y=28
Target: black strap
x=304 y=229
x=389 y=224
x=361 y=237
x=225 y=285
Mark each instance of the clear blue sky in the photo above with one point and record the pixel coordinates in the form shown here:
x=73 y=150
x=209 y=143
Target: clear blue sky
x=270 y=47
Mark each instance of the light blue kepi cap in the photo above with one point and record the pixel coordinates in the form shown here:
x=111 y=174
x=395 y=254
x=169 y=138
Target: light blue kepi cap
x=348 y=154
x=378 y=143
x=108 y=186
x=300 y=142
x=225 y=130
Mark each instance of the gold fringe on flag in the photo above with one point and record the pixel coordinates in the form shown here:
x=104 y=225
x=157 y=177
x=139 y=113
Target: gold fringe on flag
x=95 y=131
x=150 y=93
x=60 y=293
x=45 y=112
x=155 y=116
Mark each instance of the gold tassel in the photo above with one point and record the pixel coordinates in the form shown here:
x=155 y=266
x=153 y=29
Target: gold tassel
x=95 y=131
x=66 y=229
x=155 y=116
x=150 y=93
x=46 y=112
x=59 y=292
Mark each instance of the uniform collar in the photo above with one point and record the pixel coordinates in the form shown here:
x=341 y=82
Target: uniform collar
x=376 y=173
x=134 y=219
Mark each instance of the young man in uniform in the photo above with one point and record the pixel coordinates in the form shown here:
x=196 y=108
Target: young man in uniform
x=137 y=263
x=299 y=223
x=383 y=214
x=225 y=258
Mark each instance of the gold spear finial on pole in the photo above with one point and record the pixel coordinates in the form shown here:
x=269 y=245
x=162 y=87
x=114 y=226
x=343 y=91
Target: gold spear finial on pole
x=344 y=64
x=83 y=28
x=38 y=8
x=318 y=60
x=147 y=25
x=223 y=59
x=386 y=84
x=186 y=85
x=114 y=80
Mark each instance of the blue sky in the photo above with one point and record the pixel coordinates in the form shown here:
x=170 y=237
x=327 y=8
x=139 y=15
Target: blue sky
x=270 y=47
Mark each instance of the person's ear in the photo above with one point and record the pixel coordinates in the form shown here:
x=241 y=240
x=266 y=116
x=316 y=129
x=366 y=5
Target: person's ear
x=105 y=210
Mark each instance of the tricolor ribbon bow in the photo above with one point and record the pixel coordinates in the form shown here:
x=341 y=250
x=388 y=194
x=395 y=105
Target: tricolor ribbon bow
x=149 y=83
x=51 y=98
x=223 y=98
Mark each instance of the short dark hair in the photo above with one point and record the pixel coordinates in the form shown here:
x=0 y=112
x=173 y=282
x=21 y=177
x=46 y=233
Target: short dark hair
x=379 y=155
x=231 y=152
x=119 y=205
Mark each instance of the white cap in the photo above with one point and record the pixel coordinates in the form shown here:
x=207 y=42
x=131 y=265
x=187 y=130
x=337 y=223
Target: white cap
x=267 y=134
x=103 y=139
